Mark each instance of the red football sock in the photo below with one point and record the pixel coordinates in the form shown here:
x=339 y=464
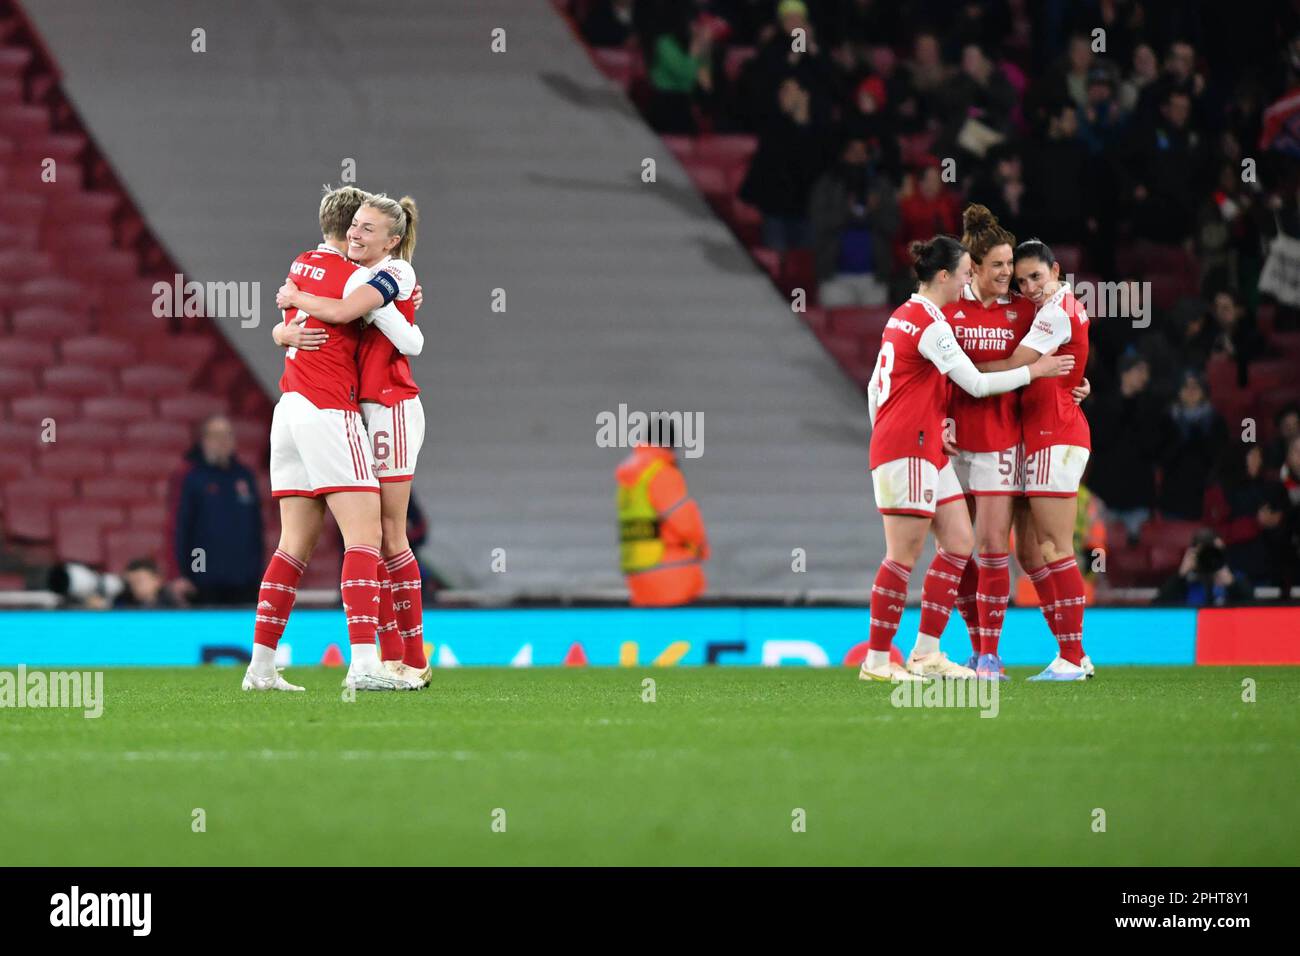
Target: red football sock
x=965 y=604
x=1067 y=580
x=939 y=591
x=275 y=598
x=359 y=585
x=1044 y=587
x=888 y=594
x=390 y=642
x=992 y=597
x=407 y=588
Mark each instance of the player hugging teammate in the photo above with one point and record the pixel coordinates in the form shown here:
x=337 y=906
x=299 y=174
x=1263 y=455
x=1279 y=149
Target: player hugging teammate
x=347 y=425
x=991 y=438
x=916 y=486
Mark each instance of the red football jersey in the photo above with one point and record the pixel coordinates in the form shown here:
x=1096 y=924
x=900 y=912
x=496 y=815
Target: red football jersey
x=987 y=334
x=385 y=372
x=1048 y=414
x=327 y=377
x=908 y=394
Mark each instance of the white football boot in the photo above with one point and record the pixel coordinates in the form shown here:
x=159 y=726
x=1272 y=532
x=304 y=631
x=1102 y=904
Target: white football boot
x=1087 y=666
x=267 y=682
x=373 y=676
x=403 y=671
x=890 y=673
x=1061 y=670
x=938 y=665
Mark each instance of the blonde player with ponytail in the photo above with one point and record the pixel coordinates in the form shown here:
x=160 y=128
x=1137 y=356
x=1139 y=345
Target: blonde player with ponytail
x=382 y=239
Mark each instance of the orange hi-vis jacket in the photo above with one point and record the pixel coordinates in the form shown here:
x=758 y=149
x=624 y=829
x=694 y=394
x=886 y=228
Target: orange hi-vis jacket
x=662 y=542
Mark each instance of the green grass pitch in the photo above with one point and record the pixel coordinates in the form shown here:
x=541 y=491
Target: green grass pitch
x=710 y=772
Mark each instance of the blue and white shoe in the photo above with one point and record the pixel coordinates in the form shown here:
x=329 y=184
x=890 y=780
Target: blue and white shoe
x=973 y=661
x=1061 y=670
x=989 y=667
x=1087 y=666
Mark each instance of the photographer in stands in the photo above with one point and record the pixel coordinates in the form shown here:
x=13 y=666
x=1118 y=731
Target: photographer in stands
x=1204 y=579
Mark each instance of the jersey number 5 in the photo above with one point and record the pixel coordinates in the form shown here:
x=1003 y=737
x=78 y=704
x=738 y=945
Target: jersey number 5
x=883 y=369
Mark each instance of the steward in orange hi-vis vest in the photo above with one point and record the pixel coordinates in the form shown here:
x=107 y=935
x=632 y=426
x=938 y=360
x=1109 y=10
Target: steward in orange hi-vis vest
x=662 y=542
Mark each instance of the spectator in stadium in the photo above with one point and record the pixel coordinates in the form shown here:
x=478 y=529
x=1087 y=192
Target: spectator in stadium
x=926 y=71
x=926 y=208
x=784 y=55
x=1000 y=186
x=1101 y=120
x=1145 y=71
x=144 y=587
x=784 y=168
x=680 y=68
x=218 y=522
x=1192 y=334
x=663 y=544
x=1290 y=472
x=975 y=105
x=1204 y=578
x=1126 y=433
x=1163 y=171
x=1287 y=425
x=1195 y=436
x=1058 y=157
x=1249 y=514
x=853 y=215
x=1231 y=336
x=1179 y=75
x=608 y=23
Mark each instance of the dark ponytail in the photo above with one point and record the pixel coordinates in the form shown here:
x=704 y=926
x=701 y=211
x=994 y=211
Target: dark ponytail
x=936 y=255
x=1035 y=249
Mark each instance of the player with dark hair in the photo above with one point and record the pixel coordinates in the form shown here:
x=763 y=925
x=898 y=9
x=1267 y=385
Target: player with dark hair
x=915 y=485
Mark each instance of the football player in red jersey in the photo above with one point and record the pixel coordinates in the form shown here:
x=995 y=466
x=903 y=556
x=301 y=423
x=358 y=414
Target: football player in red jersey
x=319 y=457
x=1057 y=442
x=915 y=485
x=382 y=238
x=989 y=320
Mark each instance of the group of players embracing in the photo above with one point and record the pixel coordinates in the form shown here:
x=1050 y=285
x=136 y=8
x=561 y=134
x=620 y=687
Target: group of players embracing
x=976 y=431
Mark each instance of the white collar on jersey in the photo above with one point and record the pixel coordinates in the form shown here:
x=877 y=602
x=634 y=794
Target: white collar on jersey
x=935 y=312
x=326 y=247
x=968 y=293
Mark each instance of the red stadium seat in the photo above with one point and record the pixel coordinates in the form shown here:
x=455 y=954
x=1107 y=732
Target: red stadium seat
x=683 y=147
x=59 y=460
x=867 y=322
x=152 y=381
x=110 y=265
x=1169 y=532
x=735 y=60
x=725 y=151
x=84 y=239
x=132 y=463
x=15 y=463
x=189 y=350
x=36 y=409
x=105 y=436
x=160 y=434
x=30 y=522
x=58 y=292
x=191 y=408
x=85 y=206
x=101 y=350
x=148 y=515
x=17 y=382
x=122 y=491
x=20 y=208
x=25 y=122
x=19 y=265
x=252 y=438
x=79 y=543
x=79 y=380
x=26 y=353
x=117 y=408
x=709 y=180
x=125 y=546
x=45 y=322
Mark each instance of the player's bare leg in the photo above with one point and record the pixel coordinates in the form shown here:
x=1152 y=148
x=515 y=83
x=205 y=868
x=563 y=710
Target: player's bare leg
x=992 y=538
x=1054 y=519
x=966 y=591
x=357 y=514
x=404 y=570
x=904 y=538
x=301 y=519
x=954 y=539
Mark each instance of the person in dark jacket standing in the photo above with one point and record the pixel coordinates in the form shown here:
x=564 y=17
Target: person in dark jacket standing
x=218 y=535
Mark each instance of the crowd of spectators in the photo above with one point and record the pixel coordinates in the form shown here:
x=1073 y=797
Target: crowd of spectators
x=1096 y=125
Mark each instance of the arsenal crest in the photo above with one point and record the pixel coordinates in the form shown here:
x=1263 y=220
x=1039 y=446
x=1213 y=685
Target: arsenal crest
x=929 y=496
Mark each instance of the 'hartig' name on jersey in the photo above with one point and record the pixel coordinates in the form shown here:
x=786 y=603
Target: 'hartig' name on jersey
x=911 y=328
x=311 y=272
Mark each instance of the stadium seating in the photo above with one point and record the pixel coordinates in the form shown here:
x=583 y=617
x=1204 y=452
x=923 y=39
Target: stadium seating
x=83 y=349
